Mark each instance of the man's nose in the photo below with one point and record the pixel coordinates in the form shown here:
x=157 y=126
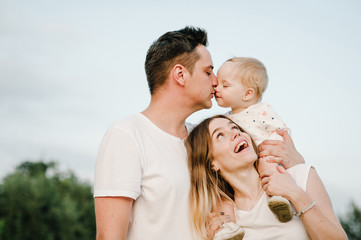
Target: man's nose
x=215 y=81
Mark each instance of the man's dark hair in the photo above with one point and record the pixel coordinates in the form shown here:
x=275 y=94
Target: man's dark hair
x=175 y=47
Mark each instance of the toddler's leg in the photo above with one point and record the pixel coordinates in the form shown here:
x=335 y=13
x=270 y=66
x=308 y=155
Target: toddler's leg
x=280 y=206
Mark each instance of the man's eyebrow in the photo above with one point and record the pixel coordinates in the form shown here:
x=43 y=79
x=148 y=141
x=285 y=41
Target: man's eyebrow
x=210 y=66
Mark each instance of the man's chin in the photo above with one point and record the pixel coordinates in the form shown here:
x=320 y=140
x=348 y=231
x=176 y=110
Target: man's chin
x=208 y=105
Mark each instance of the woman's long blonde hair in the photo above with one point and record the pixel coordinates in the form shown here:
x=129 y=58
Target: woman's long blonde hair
x=208 y=188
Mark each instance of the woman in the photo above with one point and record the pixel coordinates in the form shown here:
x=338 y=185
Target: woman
x=222 y=161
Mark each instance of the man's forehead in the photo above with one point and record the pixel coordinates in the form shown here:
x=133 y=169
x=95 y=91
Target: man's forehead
x=205 y=57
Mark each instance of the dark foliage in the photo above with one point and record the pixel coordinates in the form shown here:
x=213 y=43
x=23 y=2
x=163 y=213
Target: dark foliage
x=351 y=222
x=39 y=202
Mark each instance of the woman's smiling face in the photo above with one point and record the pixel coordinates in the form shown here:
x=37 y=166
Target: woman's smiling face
x=232 y=148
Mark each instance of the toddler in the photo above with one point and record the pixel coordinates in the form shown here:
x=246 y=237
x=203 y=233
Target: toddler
x=241 y=83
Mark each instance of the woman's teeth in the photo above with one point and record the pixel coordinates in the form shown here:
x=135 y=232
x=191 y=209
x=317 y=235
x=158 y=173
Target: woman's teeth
x=240 y=146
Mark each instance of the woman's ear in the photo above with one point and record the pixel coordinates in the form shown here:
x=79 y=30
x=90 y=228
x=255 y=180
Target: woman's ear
x=215 y=166
x=249 y=93
x=178 y=74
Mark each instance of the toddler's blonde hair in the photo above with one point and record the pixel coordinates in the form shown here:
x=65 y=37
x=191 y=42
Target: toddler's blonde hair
x=252 y=73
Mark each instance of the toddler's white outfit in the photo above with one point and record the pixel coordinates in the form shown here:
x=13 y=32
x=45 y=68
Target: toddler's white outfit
x=260 y=121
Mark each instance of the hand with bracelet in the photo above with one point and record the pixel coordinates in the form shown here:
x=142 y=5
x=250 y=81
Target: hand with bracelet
x=312 y=206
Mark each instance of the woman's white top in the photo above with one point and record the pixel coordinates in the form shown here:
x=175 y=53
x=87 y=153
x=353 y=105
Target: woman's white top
x=260 y=223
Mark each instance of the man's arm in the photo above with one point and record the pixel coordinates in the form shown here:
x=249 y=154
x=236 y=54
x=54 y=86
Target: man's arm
x=112 y=217
x=283 y=152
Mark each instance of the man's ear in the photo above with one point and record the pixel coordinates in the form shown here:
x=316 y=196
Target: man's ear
x=178 y=72
x=249 y=93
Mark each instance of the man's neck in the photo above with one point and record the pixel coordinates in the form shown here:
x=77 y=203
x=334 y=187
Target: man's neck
x=168 y=116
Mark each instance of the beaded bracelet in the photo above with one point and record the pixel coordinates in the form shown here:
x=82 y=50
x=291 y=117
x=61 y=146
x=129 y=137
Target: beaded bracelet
x=300 y=213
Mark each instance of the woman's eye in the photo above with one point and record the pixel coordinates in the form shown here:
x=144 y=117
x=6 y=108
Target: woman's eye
x=235 y=127
x=219 y=135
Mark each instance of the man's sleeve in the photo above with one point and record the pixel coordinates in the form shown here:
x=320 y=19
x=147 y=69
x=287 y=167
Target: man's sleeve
x=118 y=166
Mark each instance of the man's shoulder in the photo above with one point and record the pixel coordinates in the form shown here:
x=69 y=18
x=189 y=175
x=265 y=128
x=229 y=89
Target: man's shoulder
x=130 y=125
x=128 y=121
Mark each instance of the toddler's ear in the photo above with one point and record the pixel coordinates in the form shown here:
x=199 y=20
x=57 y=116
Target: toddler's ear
x=248 y=94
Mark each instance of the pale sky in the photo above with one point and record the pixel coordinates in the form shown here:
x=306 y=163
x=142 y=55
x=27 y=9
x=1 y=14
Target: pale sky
x=69 y=69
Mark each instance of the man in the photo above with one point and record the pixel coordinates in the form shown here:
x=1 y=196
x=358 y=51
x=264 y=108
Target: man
x=142 y=181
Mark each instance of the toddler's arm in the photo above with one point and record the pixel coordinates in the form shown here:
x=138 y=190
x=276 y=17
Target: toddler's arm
x=272 y=122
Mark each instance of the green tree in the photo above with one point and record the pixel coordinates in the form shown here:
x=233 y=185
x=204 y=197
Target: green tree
x=39 y=202
x=351 y=222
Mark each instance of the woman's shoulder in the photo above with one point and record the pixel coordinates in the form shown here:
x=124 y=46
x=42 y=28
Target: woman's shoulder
x=300 y=174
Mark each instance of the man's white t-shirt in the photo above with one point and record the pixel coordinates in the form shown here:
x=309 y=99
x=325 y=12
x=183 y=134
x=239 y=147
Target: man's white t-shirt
x=138 y=160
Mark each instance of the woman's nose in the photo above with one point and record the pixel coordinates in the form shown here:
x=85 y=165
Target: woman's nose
x=235 y=134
